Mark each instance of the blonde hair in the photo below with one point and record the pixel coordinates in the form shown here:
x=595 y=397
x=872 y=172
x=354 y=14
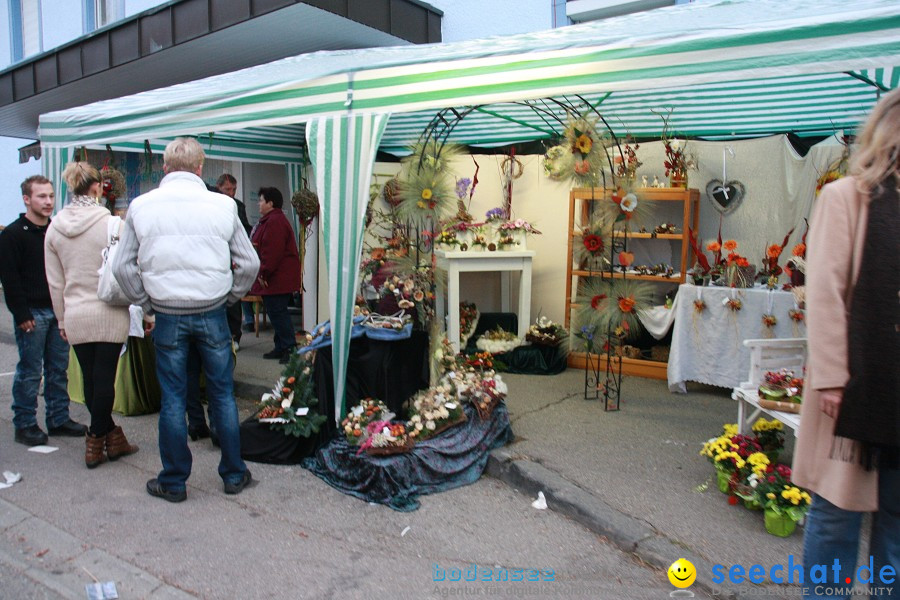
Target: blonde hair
x=877 y=155
x=183 y=154
x=80 y=176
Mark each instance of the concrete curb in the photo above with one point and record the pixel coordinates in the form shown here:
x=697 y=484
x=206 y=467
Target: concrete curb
x=63 y=564
x=628 y=533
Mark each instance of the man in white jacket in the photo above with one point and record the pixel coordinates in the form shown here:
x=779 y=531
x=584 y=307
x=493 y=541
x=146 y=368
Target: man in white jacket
x=183 y=256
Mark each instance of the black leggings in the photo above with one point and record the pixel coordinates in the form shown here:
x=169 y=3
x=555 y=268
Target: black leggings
x=98 y=361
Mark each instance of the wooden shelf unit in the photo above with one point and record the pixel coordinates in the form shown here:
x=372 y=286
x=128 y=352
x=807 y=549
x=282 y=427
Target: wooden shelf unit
x=690 y=200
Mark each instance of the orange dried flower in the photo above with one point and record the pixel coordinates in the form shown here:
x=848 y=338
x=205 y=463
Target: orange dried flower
x=799 y=250
x=773 y=251
x=730 y=245
x=742 y=262
x=713 y=246
x=377 y=253
x=626 y=304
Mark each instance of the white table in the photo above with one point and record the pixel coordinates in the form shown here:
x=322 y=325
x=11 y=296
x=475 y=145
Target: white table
x=504 y=262
x=749 y=410
x=708 y=347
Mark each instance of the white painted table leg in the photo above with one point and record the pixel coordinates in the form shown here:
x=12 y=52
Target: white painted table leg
x=504 y=291
x=525 y=298
x=453 y=304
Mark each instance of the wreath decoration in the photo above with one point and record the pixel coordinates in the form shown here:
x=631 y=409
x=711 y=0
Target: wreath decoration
x=113 y=182
x=306 y=203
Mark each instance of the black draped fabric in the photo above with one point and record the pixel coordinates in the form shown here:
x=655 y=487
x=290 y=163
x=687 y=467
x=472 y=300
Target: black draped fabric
x=390 y=371
x=534 y=360
x=260 y=443
x=454 y=458
x=528 y=360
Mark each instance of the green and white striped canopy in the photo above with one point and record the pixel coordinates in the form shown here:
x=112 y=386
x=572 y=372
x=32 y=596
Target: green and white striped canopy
x=724 y=68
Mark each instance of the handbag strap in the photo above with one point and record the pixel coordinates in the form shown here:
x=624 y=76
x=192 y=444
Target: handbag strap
x=113 y=230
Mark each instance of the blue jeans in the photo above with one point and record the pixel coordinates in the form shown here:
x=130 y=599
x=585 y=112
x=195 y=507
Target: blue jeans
x=833 y=532
x=247 y=310
x=195 y=414
x=209 y=333
x=277 y=310
x=41 y=348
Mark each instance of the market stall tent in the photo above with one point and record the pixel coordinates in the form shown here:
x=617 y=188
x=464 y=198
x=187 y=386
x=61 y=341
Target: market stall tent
x=725 y=68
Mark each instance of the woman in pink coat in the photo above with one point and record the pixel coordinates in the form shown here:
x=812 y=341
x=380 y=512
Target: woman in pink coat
x=848 y=444
x=72 y=254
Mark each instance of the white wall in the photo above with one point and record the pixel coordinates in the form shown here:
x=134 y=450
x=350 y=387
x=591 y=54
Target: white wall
x=61 y=21
x=473 y=19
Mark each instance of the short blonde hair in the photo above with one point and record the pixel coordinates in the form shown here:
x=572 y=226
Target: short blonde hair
x=183 y=154
x=877 y=155
x=80 y=176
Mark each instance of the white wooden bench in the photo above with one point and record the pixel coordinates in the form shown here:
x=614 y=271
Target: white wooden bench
x=768 y=355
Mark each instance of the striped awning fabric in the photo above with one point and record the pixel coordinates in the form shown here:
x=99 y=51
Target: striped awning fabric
x=723 y=68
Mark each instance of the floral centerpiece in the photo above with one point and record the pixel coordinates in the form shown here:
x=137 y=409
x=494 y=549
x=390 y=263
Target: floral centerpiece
x=385 y=438
x=491 y=390
x=291 y=405
x=781 y=390
x=545 y=332
x=360 y=416
x=447 y=238
x=516 y=231
x=678 y=162
x=434 y=410
x=627 y=163
x=498 y=341
x=770 y=268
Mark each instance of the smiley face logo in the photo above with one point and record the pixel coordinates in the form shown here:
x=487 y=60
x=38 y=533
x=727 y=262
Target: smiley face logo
x=682 y=573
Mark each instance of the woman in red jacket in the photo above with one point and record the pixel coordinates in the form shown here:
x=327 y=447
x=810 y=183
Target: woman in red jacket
x=279 y=271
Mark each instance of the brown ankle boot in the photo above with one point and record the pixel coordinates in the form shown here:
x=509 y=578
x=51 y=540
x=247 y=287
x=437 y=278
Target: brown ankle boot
x=117 y=444
x=93 y=450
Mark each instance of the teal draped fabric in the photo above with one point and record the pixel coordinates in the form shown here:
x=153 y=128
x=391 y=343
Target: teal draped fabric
x=452 y=459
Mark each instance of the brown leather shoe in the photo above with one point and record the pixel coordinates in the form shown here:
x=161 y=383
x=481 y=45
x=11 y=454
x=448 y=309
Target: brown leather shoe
x=93 y=450
x=117 y=444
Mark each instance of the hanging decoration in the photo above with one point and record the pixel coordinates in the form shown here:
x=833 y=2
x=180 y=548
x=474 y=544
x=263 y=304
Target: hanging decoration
x=511 y=168
x=583 y=153
x=725 y=195
x=427 y=192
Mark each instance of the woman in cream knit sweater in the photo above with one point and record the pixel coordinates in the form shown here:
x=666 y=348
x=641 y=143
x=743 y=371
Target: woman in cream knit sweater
x=96 y=330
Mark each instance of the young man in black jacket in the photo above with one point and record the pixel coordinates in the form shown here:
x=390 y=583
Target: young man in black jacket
x=41 y=348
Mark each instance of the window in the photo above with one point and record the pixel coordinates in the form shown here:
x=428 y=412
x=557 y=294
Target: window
x=25 y=28
x=100 y=13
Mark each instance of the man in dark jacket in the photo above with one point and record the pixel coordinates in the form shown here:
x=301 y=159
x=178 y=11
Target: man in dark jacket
x=227 y=184
x=41 y=347
x=279 y=269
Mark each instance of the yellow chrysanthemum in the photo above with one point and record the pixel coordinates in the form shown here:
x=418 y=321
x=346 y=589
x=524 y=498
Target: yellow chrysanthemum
x=730 y=429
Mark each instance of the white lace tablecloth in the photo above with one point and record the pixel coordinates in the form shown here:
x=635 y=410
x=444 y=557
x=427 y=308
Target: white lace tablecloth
x=707 y=347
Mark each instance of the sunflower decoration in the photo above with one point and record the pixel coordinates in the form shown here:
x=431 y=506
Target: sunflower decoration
x=612 y=305
x=582 y=154
x=427 y=190
x=592 y=252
